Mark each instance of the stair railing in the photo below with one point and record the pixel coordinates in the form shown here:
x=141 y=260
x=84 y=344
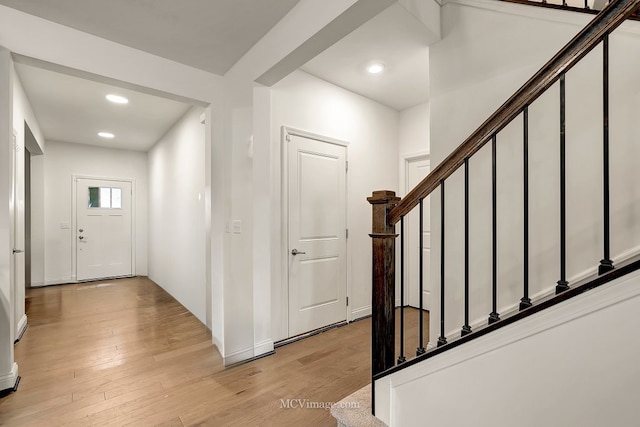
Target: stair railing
x=584 y=6
x=388 y=210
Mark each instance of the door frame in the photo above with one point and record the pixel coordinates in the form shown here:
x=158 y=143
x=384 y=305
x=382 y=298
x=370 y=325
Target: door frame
x=74 y=219
x=405 y=159
x=286 y=133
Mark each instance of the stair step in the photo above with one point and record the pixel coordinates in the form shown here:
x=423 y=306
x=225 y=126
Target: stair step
x=355 y=410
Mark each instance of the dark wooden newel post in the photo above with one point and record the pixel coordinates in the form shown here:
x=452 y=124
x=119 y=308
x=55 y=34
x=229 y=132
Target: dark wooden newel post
x=383 y=304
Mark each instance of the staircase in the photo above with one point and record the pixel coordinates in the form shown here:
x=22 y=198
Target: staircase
x=524 y=334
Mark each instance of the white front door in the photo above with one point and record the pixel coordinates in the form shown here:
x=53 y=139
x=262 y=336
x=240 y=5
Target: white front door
x=417 y=169
x=103 y=228
x=317 y=234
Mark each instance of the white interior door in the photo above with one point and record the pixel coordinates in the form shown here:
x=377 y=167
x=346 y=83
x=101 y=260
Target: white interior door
x=317 y=234
x=416 y=170
x=103 y=228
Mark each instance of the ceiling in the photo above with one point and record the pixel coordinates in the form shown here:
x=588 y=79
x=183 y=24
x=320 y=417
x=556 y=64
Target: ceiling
x=176 y=30
x=73 y=109
x=395 y=38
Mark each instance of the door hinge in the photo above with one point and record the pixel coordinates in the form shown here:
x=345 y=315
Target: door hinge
x=347 y=301
x=347 y=233
x=288 y=138
x=346 y=166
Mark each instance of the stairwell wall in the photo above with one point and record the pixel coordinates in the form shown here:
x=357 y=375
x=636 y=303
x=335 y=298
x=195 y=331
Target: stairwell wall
x=489 y=49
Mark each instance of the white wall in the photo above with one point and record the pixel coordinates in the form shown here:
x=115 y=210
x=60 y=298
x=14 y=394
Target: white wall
x=177 y=232
x=489 y=50
x=414 y=126
x=62 y=160
x=304 y=102
x=541 y=371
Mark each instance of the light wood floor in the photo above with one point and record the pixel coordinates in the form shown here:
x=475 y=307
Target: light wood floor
x=124 y=352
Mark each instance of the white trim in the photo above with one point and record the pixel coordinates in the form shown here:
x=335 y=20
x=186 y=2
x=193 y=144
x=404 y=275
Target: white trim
x=218 y=344
x=21 y=327
x=361 y=312
x=74 y=219
x=286 y=131
x=405 y=159
x=284 y=234
x=8 y=380
x=238 y=356
x=263 y=347
x=61 y=281
x=310 y=135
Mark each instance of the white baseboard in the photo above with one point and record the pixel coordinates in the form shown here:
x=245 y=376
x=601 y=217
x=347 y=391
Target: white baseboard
x=58 y=282
x=8 y=380
x=218 y=344
x=37 y=284
x=361 y=312
x=238 y=356
x=21 y=327
x=263 y=347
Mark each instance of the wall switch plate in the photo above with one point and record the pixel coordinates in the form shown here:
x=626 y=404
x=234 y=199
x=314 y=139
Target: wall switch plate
x=64 y=226
x=237 y=226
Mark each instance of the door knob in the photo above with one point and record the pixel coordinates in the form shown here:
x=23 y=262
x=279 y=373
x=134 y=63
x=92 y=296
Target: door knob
x=297 y=252
x=17 y=251
x=80 y=237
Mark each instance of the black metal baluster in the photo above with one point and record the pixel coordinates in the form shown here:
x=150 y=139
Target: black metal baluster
x=606 y=264
x=494 y=316
x=525 y=301
x=586 y=4
x=466 y=329
x=401 y=358
x=442 y=340
x=563 y=285
x=420 y=350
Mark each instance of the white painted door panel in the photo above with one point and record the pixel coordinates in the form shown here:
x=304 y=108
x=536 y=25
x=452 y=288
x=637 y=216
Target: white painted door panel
x=103 y=229
x=417 y=169
x=317 y=229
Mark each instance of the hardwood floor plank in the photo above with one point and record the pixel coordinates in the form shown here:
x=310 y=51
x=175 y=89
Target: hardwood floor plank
x=124 y=352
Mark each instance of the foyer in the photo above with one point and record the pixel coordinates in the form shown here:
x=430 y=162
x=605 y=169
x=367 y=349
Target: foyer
x=124 y=352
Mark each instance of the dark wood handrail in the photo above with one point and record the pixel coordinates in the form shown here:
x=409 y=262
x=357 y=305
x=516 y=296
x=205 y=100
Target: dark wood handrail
x=586 y=40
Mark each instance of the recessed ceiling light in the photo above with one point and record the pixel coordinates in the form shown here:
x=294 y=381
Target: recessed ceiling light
x=117 y=99
x=107 y=135
x=375 y=68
